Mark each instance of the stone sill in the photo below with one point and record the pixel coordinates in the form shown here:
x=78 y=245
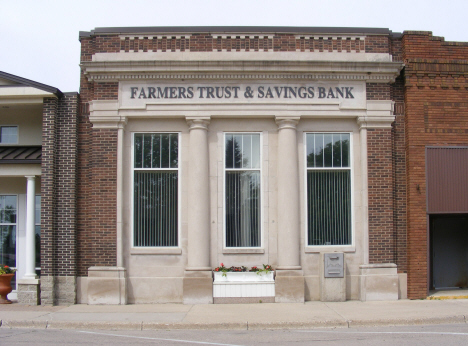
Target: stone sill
x=330 y=248
x=243 y=251
x=155 y=251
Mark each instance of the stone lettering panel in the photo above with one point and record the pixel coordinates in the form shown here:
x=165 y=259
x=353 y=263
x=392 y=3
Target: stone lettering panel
x=345 y=94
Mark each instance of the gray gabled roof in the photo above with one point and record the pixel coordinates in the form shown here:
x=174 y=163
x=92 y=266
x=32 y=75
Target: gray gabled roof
x=27 y=82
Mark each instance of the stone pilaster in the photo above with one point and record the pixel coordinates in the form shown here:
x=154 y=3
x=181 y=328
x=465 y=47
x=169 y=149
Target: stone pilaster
x=289 y=276
x=198 y=282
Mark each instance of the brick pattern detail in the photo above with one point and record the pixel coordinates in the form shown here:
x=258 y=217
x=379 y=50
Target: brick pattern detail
x=436 y=114
x=377 y=44
x=214 y=43
x=382 y=244
x=377 y=91
x=396 y=49
x=106 y=91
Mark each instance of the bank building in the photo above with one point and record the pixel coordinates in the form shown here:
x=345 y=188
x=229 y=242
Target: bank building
x=336 y=155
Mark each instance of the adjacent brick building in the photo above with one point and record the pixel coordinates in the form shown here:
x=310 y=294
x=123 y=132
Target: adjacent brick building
x=195 y=146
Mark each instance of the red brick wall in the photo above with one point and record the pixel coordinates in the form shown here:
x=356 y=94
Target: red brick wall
x=380 y=184
x=102 y=198
x=436 y=114
x=377 y=91
x=97 y=176
x=387 y=180
x=377 y=44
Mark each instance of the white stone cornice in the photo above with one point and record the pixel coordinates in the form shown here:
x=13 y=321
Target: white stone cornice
x=369 y=71
x=287 y=122
x=105 y=115
x=379 y=114
x=198 y=123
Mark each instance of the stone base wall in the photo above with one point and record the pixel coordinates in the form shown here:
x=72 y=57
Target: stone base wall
x=58 y=290
x=29 y=292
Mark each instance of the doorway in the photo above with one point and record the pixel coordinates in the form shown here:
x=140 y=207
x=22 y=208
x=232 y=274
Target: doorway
x=449 y=251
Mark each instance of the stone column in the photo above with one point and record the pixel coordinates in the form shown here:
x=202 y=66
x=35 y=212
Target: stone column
x=289 y=276
x=30 y=228
x=28 y=286
x=198 y=282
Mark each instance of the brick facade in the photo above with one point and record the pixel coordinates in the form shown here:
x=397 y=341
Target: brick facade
x=58 y=201
x=428 y=107
x=436 y=114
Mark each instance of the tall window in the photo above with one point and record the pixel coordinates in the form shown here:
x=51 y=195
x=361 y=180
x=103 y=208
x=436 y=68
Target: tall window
x=8 y=232
x=155 y=199
x=242 y=189
x=8 y=134
x=328 y=189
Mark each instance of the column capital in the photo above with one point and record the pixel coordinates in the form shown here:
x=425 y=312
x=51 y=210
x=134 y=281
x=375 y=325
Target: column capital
x=287 y=122
x=198 y=122
x=30 y=177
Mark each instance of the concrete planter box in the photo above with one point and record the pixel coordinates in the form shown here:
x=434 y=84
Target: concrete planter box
x=243 y=287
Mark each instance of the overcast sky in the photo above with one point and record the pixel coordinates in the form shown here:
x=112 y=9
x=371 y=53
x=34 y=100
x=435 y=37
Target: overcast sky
x=39 y=38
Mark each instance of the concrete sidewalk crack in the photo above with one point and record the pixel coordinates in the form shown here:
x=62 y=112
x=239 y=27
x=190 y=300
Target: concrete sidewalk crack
x=187 y=312
x=336 y=312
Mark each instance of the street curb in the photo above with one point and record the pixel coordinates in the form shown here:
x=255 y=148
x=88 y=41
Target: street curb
x=108 y=325
x=24 y=324
x=405 y=322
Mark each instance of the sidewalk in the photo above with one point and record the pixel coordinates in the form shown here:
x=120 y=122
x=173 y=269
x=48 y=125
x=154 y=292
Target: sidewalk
x=235 y=316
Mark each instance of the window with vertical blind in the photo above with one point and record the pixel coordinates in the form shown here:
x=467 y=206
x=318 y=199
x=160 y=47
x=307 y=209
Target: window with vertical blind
x=156 y=184
x=328 y=189
x=242 y=167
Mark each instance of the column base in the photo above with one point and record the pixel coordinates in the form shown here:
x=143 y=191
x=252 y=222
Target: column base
x=198 y=287
x=58 y=290
x=29 y=292
x=107 y=286
x=379 y=282
x=289 y=286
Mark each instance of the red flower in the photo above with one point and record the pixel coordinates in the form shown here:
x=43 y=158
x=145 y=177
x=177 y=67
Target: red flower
x=217 y=269
x=222 y=265
x=6 y=267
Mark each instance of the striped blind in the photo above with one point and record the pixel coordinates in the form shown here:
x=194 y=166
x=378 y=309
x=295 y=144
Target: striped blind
x=242 y=190
x=155 y=199
x=328 y=189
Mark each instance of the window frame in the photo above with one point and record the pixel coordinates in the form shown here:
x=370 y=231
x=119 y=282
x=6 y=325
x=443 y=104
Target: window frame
x=256 y=249
x=37 y=222
x=16 y=224
x=161 y=250
x=17 y=134
x=327 y=248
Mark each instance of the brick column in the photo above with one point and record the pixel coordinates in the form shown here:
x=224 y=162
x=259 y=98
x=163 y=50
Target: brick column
x=58 y=209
